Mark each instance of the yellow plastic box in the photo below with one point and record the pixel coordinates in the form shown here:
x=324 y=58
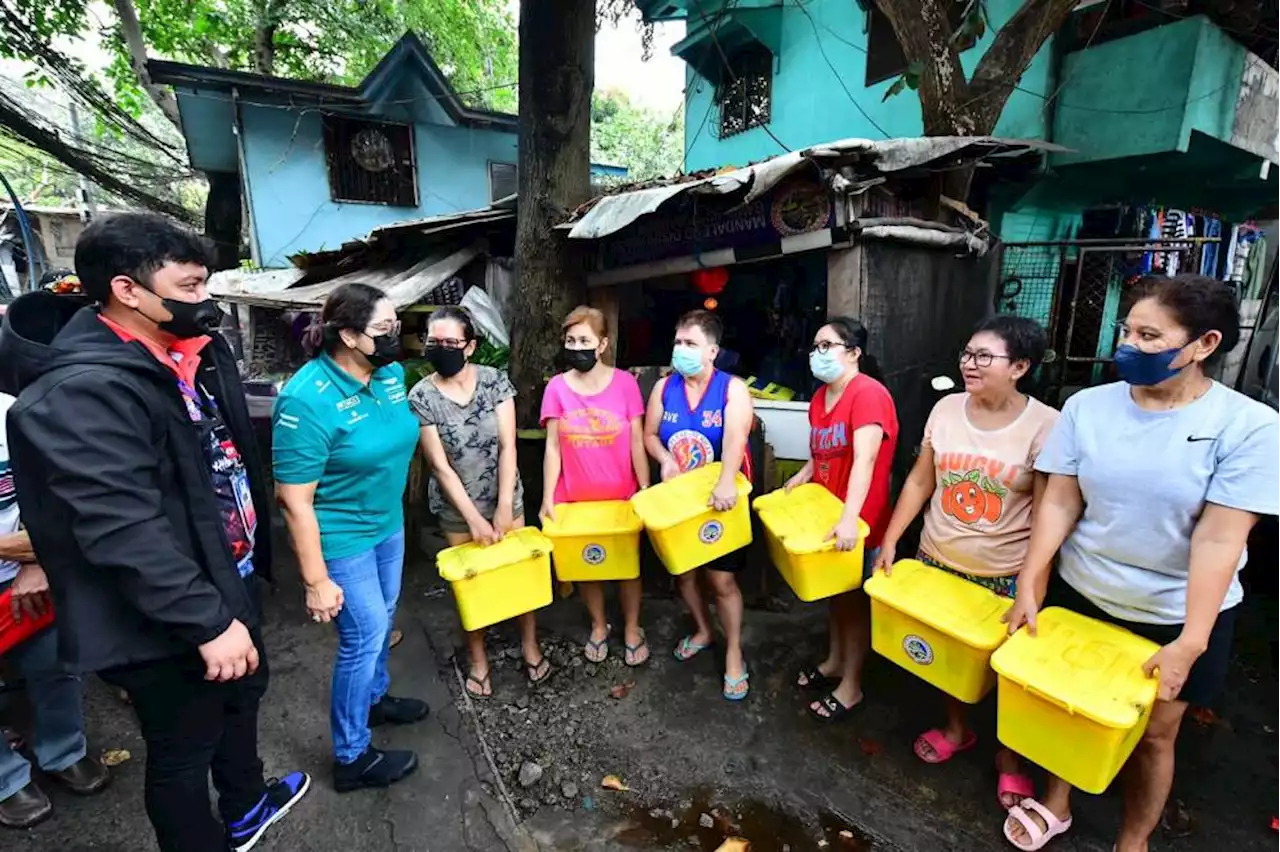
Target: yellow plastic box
x=686 y=532
x=796 y=527
x=1073 y=698
x=595 y=541
x=495 y=583
x=938 y=626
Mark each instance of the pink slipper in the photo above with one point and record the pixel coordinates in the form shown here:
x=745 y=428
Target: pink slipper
x=1015 y=783
x=1038 y=837
x=943 y=748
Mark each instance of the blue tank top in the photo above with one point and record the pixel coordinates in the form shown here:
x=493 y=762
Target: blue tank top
x=694 y=436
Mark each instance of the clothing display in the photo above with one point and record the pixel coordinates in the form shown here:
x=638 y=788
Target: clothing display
x=1191 y=237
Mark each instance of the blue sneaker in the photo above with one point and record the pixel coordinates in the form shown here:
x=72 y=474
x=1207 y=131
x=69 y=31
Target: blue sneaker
x=280 y=797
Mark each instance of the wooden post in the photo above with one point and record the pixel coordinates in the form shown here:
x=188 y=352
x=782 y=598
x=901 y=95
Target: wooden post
x=607 y=300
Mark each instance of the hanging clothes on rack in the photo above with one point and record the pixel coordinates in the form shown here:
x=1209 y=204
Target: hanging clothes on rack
x=1173 y=229
x=1209 y=258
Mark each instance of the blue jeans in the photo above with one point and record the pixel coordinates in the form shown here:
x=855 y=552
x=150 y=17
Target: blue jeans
x=57 y=700
x=370 y=584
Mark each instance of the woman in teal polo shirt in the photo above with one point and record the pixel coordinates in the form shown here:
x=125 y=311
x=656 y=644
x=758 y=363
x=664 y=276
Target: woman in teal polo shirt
x=343 y=437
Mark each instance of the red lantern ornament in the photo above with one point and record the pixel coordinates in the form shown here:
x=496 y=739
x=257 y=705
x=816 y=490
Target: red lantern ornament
x=709 y=282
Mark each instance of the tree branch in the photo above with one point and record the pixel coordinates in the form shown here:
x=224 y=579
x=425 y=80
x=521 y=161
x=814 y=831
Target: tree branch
x=926 y=37
x=138 y=59
x=19 y=126
x=1015 y=45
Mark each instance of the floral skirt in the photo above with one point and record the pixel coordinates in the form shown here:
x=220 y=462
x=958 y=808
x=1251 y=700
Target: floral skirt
x=1003 y=586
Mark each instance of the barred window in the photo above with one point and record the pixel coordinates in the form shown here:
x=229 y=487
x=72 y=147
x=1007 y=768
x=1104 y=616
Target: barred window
x=370 y=162
x=745 y=91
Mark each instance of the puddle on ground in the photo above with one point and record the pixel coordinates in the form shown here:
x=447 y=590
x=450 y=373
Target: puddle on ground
x=702 y=824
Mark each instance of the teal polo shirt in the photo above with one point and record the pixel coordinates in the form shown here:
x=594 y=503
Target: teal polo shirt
x=355 y=441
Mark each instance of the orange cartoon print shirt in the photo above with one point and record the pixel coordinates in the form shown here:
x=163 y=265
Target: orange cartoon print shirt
x=979 y=518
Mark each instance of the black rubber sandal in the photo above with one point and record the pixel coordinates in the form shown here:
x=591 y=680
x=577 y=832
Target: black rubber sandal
x=483 y=683
x=532 y=669
x=835 y=709
x=814 y=679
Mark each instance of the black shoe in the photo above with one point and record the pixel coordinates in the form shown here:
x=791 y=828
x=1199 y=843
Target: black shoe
x=374 y=768
x=397 y=711
x=25 y=808
x=84 y=777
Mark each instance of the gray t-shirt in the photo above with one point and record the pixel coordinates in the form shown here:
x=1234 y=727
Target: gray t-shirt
x=1145 y=477
x=469 y=434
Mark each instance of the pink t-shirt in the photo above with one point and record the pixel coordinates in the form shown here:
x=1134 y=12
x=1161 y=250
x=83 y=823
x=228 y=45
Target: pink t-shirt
x=595 y=438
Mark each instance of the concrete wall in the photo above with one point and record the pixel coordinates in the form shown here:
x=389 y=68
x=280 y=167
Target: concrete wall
x=810 y=104
x=1146 y=93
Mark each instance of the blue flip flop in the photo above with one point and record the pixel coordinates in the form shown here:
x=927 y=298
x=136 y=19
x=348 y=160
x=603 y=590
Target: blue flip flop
x=688 y=649
x=732 y=683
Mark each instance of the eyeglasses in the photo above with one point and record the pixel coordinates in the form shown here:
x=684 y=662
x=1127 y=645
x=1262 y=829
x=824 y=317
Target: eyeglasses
x=822 y=347
x=385 y=327
x=981 y=358
x=444 y=343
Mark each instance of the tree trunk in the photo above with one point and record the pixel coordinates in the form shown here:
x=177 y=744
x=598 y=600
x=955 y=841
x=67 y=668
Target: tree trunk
x=138 y=59
x=950 y=105
x=557 y=74
x=222 y=218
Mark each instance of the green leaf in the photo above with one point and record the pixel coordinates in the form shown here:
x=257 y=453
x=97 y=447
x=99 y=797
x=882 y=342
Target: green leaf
x=973 y=476
x=897 y=87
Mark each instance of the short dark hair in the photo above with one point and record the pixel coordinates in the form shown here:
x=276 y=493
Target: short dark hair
x=1199 y=304
x=350 y=307
x=853 y=333
x=135 y=245
x=710 y=324
x=452 y=313
x=1025 y=339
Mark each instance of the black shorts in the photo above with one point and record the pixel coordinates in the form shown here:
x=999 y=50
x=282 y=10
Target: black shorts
x=730 y=563
x=1208 y=677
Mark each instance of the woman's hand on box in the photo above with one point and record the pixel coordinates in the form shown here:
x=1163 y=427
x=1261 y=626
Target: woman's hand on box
x=884 y=559
x=669 y=469
x=482 y=532
x=548 y=511
x=1171 y=664
x=846 y=534
x=1024 y=611
x=724 y=496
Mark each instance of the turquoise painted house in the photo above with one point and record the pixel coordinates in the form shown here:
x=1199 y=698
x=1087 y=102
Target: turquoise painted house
x=1165 y=111
x=322 y=164
x=1170 y=108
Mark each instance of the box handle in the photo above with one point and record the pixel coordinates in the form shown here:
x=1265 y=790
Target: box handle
x=1052 y=700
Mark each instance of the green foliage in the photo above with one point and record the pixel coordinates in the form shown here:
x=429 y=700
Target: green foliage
x=338 y=41
x=646 y=142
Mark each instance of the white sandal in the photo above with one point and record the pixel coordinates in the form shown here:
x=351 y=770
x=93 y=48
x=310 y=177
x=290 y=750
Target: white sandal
x=1037 y=836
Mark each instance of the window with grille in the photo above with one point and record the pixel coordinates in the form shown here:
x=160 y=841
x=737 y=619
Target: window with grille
x=885 y=58
x=502 y=180
x=745 y=91
x=371 y=162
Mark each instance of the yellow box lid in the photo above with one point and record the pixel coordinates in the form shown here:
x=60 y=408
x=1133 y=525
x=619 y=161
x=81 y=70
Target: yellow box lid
x=683 y=498
x=1083 y=665
x=609 y=517
x=803 y=519
x=467 y=560
x=964 y=611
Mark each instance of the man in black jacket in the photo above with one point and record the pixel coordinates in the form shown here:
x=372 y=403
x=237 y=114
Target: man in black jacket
x=141 y=487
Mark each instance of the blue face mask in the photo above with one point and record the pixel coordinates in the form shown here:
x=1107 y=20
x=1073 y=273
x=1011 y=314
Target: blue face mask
x=825 y=367
x=1144 y=369
x=686 y=360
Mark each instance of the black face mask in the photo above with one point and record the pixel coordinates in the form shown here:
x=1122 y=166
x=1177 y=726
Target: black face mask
x=581 y=360
x=191 y=319
x=447 y=362
x=386 y=350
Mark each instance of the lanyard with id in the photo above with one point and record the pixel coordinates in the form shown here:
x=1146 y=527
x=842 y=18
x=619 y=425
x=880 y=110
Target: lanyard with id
x=225 y=459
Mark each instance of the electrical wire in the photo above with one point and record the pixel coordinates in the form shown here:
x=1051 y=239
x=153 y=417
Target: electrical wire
x=823 y=51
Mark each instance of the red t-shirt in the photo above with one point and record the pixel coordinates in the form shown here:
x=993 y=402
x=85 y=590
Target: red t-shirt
x=865 y=402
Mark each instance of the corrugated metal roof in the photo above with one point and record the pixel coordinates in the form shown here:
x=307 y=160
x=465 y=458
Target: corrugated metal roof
x=405 y=282
x=611 y=213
